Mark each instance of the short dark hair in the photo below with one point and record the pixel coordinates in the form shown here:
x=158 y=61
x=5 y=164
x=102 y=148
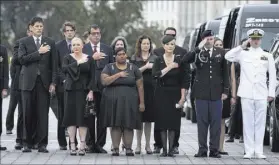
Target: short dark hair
x=70 y=24
x=170 y=28
x=94 y=26
x=28 y=26
x=120 y=49
x=85 y=35
x=36 y=19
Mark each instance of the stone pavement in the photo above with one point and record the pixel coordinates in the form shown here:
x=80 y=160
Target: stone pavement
x=188 y=147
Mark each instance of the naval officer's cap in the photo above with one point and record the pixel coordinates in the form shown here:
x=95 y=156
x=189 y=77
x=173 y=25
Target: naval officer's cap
x=255 y=33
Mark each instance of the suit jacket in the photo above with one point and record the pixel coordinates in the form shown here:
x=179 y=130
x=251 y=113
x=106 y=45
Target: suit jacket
x=15 y=67
x=178 y=50
x=212 y=77
x=62 y=51
x=4 y=68
x=32 y=62
x=87 y=49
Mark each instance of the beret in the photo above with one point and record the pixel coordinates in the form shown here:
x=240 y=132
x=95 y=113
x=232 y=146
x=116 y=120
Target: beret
x=207 y=33
x=167 y=38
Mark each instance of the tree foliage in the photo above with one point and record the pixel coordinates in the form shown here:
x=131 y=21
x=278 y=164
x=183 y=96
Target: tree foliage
x=117 y=18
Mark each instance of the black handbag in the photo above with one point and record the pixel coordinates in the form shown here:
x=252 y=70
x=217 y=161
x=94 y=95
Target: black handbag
x=90 y=109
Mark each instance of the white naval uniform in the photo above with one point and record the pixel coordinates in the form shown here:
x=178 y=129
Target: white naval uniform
x=255 y=63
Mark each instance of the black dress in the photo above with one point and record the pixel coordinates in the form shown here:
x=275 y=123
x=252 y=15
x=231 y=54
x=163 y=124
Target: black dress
x=79 y=81
x=226 y=110
x=149 y=114
x=120 y=101
x=168 y=93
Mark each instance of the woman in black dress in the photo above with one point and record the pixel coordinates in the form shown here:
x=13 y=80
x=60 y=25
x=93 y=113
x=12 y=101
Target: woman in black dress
x=144 y=60
x=79 y=86
x=226 y=106
x=118 y=42
x=173 y=79
x=122 y=100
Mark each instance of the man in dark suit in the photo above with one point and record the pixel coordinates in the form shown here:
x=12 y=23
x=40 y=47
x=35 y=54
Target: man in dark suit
x=63 y=47
x=4 y=81
x=15 y=96
x=102 y=54
x=211 y=86
x=37 y=55
x=159 y=52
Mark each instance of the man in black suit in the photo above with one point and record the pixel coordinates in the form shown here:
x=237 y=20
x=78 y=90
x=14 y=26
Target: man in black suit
x=63 y=47
x=159 y=52
x=102 y=54
x=37 y=55
x=211 y=86
x=4 y=81
x=15 y=96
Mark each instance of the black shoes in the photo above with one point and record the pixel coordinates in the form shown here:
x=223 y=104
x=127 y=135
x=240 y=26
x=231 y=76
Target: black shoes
x=214 y=155
x=201 y=155
x=63 y=148
x=3 y=148
x=26 y=149
x=43 y=149
x=18 y=146
x=100 y=150
x=156 y=150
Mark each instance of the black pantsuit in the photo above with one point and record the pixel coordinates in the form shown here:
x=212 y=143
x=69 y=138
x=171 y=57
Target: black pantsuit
x=38 y=72
x=36 y=104
x=4 y=78
x=97 y=144
x=14 y=98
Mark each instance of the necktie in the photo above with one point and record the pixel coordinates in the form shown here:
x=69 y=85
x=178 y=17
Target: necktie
x=70 y=48
x=94 y=51
x=38 y=43
x=206 y=53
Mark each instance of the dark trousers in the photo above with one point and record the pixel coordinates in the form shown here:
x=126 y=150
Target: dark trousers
x=209 y=115
x=158 y=140
x=236 y=125
x=1 y=115
x=101 y=132
x=14 y=98
x=57 y=106
x=35 y=105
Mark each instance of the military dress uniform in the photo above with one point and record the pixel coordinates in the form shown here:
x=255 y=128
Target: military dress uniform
x=253 y=90
x=212 y=80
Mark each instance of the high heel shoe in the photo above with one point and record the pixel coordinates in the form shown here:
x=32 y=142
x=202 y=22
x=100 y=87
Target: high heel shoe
x=115 y=152
x=129 y=152
x=73 y=152
x=138 y=150
x=148 y=150
x=82 y=152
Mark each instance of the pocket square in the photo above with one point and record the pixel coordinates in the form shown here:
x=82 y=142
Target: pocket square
x=218 y=55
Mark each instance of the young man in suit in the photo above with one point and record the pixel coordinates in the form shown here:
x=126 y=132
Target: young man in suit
x=63 y=47
x=159 y=52
x=103 y=55
x=15 y=96
x=211 y=86
x=37 y=55
x=4 y=81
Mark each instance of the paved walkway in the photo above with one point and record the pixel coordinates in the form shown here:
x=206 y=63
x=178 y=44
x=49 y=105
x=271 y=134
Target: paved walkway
x=188 y=147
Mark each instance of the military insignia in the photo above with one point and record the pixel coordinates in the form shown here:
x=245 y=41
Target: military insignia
x=264 y=58
x=1 y=59
x=218 y=56
x=256 y=32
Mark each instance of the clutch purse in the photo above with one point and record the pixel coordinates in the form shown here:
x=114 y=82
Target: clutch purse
x=90 y=109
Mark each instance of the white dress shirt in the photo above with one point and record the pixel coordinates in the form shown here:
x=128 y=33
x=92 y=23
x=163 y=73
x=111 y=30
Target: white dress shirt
x=255 y=63
x=35 y=39
x=98 y=46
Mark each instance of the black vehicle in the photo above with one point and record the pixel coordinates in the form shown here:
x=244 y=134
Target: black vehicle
x=246 y=17
x=186 y=42
x=272 y=121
